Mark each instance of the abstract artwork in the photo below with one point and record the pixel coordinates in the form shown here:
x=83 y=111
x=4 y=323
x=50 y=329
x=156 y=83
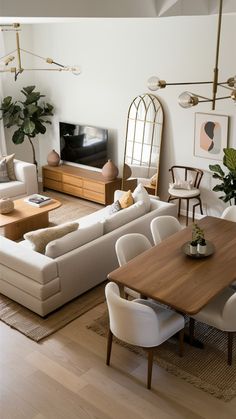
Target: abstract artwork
x=211 y=134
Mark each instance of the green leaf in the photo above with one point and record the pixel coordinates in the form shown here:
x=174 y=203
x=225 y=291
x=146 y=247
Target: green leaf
x=31 y=109
x=216 y=168
x=230 y=159
x=28 y=90
x=28 y=126
x=18 y=136
x=6 y=102
x=32 y=98
x=40 y=127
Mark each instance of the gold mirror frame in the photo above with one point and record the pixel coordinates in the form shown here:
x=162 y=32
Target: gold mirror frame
x=143 y=140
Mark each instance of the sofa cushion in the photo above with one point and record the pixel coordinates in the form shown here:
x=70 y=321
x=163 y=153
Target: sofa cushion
x=126 y=200
x=12 y=189
x=3 y=171
x=40 y=238
x=125 y=216
x=73 y=240
x=115 y=207
x=141 y=194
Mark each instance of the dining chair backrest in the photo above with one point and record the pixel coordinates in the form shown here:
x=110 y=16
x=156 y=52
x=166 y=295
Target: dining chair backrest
x=131 y=321
x=229 y=312
x=187 y=173
x=131 y=245
x=229 y=213
x=163 y=227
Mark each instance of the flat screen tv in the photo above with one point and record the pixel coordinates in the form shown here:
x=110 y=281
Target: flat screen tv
x=83 y=144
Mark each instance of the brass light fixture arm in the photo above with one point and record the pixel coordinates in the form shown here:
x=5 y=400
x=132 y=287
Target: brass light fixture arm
x=216 y=69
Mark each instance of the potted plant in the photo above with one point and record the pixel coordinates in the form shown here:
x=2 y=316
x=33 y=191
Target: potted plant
x=227 y=183
x=198 y=243
x=29 y=116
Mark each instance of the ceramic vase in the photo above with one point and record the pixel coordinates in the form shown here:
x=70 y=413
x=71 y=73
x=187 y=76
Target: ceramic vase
x=193 y=249
x=127 y=172
x=201 y=249
x=110 y=171
x=53 y=158
x=6 y=205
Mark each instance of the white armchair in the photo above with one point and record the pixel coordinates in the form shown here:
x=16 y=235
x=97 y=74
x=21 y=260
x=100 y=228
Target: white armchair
x=141 y=323
x=229 y=213
x=26 y=183
x=163 y=227
x=219 y=313
x=127 y=247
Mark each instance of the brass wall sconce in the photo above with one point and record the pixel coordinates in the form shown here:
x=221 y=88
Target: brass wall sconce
x=18 y=69
x=188 y=99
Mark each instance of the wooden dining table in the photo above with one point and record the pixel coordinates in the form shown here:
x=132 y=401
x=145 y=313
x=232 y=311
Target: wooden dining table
x=166 y=274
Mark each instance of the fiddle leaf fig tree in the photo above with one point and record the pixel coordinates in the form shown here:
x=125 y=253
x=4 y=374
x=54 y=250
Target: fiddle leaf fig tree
x=29 y=116
x=227 y=183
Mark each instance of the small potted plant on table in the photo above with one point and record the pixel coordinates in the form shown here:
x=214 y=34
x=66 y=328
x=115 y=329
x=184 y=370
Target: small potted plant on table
x=198 y=243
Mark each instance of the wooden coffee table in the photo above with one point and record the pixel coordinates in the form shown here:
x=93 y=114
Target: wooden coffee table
x=25 y=217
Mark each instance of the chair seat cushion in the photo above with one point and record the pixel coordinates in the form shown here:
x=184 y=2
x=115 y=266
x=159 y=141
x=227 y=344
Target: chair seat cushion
x=184 y=193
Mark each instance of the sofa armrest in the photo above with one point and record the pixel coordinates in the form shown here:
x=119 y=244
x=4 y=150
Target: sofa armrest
x=27 y=173
x=38 y=267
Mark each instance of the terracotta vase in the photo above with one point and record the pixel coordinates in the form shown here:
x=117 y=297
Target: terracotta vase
x=6 y=205
x=110 y=171
x=53 y=158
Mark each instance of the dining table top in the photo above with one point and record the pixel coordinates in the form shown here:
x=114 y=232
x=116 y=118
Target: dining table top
x=166 y=274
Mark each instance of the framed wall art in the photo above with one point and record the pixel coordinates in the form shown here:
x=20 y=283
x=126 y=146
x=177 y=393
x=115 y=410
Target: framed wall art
x=210 y=135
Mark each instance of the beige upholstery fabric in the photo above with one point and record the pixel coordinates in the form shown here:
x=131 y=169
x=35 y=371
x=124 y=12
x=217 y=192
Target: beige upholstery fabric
x=184 y=193
x=73 y=240
x=40 y=238
x=124 y=216
x=141 y=194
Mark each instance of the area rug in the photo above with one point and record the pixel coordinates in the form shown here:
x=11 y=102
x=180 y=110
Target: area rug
x=38 y=328
x=206 y=368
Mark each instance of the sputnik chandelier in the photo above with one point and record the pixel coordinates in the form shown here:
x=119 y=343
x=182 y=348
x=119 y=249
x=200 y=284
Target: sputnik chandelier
x=188 y=99
x=18 y=68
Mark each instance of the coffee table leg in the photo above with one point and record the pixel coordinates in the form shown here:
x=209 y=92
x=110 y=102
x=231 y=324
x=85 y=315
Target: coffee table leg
x=15 y=231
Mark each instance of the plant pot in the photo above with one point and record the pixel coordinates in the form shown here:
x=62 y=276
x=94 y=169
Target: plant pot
x=201 y=249
x=193 y=249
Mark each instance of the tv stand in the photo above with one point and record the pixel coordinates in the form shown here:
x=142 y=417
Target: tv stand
x=83 y=183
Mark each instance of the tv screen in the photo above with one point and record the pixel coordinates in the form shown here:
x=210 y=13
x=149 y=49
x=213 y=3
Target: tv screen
x=83 y=144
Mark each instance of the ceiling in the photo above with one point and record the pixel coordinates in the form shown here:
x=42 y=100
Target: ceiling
x=112 y=8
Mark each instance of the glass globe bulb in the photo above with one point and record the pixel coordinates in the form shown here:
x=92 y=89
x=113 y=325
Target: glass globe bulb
x=154 y=83
x=187 y=100
x=232 y=82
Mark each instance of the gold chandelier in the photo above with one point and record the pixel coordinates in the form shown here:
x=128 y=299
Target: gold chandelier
x=188 y=99
x=18 y=68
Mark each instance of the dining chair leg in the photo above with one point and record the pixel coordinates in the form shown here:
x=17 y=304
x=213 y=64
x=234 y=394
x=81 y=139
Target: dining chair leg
x=230 y=347
x=179 y=207
x=191 y=330
x=181 y=342
x=109 y=346
x=149 y=372
x=187 y=212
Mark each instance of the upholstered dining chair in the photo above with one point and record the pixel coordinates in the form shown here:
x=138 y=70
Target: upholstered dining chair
x=164 y=226
x=127 y=247
x=219 y=313
x=229 y=213
x=141 y=323
x=186 y=183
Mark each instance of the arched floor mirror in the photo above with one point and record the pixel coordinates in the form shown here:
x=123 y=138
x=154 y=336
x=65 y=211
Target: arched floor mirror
x=143 y=142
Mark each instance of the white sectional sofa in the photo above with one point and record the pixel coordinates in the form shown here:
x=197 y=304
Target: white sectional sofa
x=74 y=263
x=26 y=183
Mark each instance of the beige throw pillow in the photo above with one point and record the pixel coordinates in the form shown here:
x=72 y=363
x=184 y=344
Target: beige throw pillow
x=40 y=238
x=10 y=166
x=126 y=200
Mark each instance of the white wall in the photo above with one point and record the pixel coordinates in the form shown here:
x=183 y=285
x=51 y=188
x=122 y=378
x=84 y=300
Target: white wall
x=117 y=56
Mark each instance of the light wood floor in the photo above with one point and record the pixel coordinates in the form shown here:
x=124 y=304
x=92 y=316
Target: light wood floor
x=65 y=377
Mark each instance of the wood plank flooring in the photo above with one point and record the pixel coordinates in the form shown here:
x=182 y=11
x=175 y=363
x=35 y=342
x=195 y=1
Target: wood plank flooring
x=65 y=377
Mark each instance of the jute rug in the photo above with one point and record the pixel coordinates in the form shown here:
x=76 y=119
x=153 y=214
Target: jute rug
x=206 y=368
x=38 y=328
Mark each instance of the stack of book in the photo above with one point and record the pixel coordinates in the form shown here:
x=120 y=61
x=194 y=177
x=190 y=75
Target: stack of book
x=38 y=200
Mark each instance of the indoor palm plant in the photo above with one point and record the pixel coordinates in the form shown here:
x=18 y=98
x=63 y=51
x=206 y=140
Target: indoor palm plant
x=227 y=180
x=29 y=116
